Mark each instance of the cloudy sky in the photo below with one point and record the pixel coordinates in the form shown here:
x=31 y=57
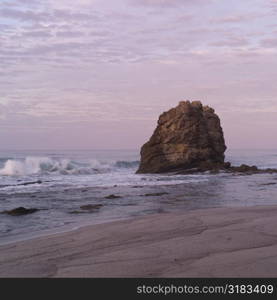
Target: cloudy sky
x=97 y=73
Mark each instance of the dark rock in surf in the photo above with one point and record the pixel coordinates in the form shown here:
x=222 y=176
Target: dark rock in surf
x=249 y=170
x=91 y=207
x=88 y=208
x=245 y=169
x=19 y=211
x=155 y=194
x=112 y=196
x=187 y=137
x=32 y=182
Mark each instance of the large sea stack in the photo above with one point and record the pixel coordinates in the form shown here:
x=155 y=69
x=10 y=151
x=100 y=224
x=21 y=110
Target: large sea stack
x=188 y=136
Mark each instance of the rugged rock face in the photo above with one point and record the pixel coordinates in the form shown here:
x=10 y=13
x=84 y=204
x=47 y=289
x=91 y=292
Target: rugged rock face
x=187 y=136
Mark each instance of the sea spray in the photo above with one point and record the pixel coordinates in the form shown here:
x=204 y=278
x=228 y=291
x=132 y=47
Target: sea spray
x=47 y=165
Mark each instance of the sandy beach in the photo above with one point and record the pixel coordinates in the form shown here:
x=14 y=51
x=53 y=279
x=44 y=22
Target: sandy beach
x=219 y=242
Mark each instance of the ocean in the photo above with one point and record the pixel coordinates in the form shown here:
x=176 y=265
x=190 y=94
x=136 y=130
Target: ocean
x=58 y=183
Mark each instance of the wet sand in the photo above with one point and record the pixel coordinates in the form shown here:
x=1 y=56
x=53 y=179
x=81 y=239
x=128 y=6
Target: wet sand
x=218 y=242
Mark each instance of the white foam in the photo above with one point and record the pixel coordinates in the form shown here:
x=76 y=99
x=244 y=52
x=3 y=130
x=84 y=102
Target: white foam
x=12 y=167
x=41 y=165
x=46 y=165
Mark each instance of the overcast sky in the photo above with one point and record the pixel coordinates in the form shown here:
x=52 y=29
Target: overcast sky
x=97 y=73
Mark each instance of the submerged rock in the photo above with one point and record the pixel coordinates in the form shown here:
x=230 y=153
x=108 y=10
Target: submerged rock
x=32 y=182
x=112 y=196
x=91 y=206
x=19 y=211
x=88 y=208
x=188 y=136
x=155 y=194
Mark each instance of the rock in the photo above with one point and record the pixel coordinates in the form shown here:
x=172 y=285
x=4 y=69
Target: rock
x=270 y=171
x=78 y=212
x=91 y=206
x=227 y=165
x=112 y=196
x=19 y=211
x=155 y=194
x=32 y=182
x=188 y=136
x=245 y=169
x=88 y=208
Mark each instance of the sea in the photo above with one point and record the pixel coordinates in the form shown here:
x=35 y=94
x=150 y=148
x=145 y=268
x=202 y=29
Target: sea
x=59 y=182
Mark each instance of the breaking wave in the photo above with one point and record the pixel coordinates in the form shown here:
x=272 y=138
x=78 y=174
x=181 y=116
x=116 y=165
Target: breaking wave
x=46 y=165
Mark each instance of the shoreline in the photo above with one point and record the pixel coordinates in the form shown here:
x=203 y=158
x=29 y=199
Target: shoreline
x=59 y=230
x=212 y=242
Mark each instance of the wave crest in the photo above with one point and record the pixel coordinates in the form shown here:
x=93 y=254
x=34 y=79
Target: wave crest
x=46 y=165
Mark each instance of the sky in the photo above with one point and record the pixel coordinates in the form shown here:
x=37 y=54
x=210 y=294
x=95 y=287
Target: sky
x=96 y=74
